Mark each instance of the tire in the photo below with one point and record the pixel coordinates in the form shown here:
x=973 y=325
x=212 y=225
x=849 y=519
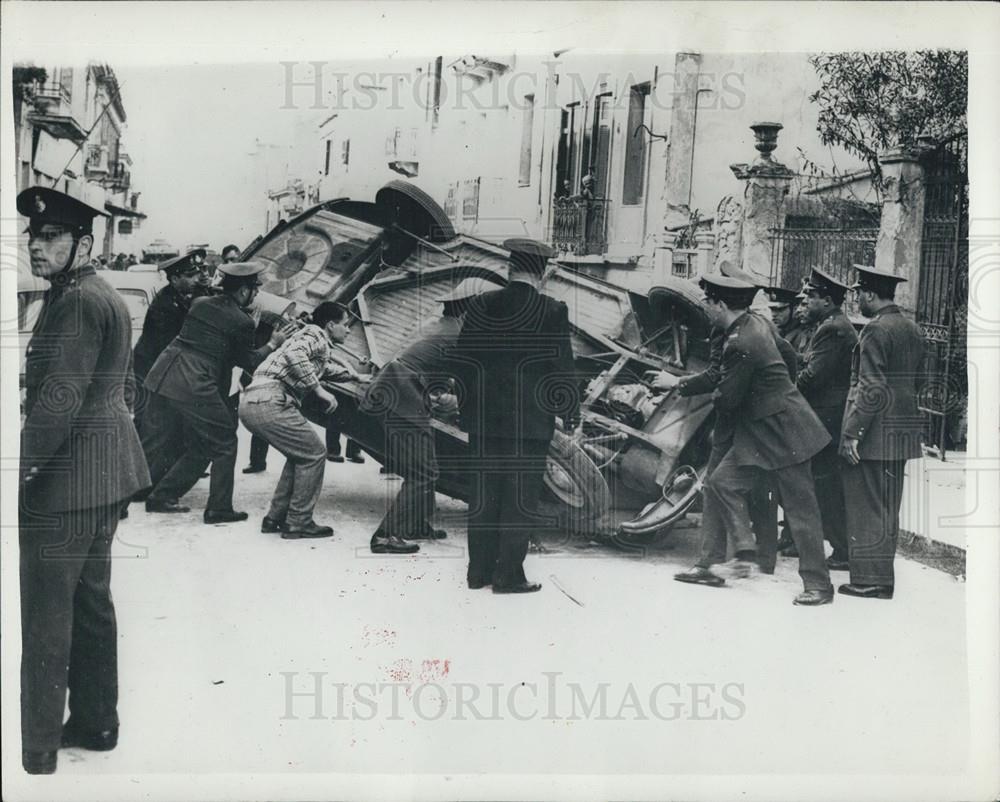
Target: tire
x=575 y=493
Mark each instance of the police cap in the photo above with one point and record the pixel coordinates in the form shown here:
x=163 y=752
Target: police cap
x=779 y=297
x=242 y=269
x=180 y=265
x=823 y=283
x=731 y=291
x=528 y=254
x=43 y=205
x=880 y=282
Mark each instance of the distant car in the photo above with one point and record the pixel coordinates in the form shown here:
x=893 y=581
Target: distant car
x=143 y=267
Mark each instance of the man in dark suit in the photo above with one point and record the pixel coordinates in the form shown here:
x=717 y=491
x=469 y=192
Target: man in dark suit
x=407 y=391
x=824 y=382
x=515 y=370
x=80 y=458
x=773 y=430
x=190 y=385
x=882 y=429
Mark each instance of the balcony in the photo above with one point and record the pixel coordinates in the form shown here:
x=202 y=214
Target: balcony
x=52 y=111
x=580 y=226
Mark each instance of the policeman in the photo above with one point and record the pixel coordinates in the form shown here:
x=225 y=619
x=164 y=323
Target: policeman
x=516 y=372
x=882 y=429
x=80 y=458
x=190 y=386
x=412 y=387
x=164 y=318
x=824 y=381
x=773 y=430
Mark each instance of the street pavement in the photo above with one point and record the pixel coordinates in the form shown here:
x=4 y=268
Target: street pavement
x=220 y=625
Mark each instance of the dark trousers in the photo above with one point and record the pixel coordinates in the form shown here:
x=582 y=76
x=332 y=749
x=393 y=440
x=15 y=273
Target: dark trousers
x=505 y=487
x=726 y=495
x=875 y=488
x=209 y=432
x=411 y=454
x=762 y=510
x=258 y=451
x=333 y=443
x=69 y=638
x=161 y=430
x=826 y=467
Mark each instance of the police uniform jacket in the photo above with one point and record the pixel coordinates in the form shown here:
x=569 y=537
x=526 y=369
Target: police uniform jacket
x=217 y=336
x=163 y=322
x=773 y=426
x=515 y=364
x=799 y=337
x=78 y=444
x=403 y=386
x=882 y=402
x=826 y=377
x=708 y=379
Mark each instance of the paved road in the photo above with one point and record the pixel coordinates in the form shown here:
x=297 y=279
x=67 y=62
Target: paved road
x=219 y=624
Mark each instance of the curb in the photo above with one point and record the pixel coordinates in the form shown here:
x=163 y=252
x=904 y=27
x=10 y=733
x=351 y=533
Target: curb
x=933 y=553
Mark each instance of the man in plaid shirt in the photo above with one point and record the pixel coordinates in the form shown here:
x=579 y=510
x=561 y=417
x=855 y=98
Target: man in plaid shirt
x=271 y=408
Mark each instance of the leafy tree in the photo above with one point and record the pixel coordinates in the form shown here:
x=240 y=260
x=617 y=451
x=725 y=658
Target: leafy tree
x=870 y=102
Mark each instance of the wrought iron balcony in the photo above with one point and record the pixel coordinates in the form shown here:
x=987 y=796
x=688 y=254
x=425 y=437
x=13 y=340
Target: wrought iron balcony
x=580 y=226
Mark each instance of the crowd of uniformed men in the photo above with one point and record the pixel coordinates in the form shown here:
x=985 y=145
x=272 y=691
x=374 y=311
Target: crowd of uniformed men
x=806 y=417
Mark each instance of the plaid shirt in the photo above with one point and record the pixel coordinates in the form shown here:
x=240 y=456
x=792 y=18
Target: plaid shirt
x=300 y=362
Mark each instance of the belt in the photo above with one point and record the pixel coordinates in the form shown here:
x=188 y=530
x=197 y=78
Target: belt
x=257 y=384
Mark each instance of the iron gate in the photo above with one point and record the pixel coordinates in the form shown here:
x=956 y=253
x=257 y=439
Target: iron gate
x=795 y=251
x=942 y=302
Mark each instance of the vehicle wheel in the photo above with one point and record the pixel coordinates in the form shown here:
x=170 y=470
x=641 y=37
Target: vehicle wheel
x=576 y=491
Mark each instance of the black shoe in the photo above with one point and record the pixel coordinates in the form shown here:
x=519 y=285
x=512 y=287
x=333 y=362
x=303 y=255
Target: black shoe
x=123 y=514
x=700 y=576
x=95 y=741
x=522 y=587
x=867 y=591
x=312 y=529
x=255 y=469
x=835 y=564
x=430 y=533
x=223 y=516
x=168 y=505
x=392 y=545
x=39 y=762
x=791 y=551
x=814 y=598
x=477 y=584
x=270 y=526
x=356 y=458
x=334 y=458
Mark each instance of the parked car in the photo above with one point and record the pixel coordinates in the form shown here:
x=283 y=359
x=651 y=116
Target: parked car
x=392 y=260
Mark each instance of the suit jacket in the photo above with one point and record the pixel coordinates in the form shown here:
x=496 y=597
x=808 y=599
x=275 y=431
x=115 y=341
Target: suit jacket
x=773 y=426
x=402 y=386
x=162 y=323
x=197 y=366
x=826 y=377
x=79 y=448
x=885 y=374
x=708 y=379
x=514 y=362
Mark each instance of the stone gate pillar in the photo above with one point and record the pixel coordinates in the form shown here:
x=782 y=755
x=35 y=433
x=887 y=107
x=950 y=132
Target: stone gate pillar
x=767 y=184
x=900 y=234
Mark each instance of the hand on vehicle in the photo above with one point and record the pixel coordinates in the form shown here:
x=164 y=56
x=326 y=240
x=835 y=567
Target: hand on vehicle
x=661 y=379
x=444 y=403
x=849 y=449
x=329 y=399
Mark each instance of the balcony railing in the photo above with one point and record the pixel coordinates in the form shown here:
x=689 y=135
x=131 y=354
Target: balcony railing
x=580 y=226
x=53 y=91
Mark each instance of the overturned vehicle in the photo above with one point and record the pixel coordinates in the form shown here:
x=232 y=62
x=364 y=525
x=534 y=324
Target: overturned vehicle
x=635 y=464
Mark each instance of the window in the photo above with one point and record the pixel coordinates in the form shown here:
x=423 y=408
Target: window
x=345 y=152
x=635 y=147
x=66 y=82
x=326 y=164
x=527 y=125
